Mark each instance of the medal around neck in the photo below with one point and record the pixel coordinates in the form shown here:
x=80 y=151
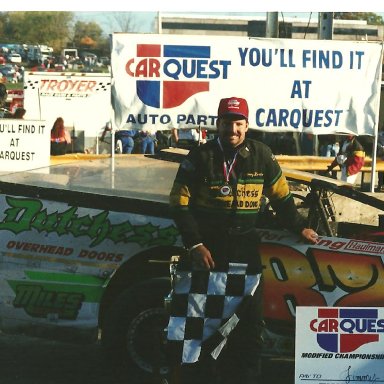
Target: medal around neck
x=225 y=190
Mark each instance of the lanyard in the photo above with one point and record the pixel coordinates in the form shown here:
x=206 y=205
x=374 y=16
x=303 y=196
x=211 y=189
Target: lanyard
x=227 y=165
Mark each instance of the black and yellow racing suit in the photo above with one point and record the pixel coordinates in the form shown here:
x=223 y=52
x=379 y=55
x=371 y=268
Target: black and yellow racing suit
x=200 y=209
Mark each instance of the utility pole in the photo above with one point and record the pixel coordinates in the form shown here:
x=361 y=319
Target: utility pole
x=159 y=23
x=324 y=32
x=325 y=29
x=272 y=26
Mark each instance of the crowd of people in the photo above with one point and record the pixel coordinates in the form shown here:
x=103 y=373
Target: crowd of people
x=347 y=151
x=348 y=156
x=147 y=141
x=135 y=141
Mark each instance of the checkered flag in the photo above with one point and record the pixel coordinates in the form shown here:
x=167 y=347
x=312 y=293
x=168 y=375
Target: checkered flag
x=103 y=86
x=206 y=307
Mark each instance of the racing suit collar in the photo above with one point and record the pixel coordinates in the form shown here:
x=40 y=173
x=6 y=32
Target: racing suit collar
x=243 y=149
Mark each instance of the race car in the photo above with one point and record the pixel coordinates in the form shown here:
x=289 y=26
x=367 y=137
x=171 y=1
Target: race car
x=88 y=249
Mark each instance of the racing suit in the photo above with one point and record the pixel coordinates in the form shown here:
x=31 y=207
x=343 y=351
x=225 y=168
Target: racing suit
x=200 y=207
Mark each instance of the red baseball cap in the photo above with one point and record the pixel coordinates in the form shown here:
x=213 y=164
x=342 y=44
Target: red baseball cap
x=233 y=106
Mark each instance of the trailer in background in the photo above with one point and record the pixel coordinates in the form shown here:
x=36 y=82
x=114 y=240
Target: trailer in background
x=38 y=54
x=69 y=54
x=83 y=100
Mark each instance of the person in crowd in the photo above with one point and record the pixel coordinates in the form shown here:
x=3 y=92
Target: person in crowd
x=162 y=140
x=350 y=159
x=380 y=156
x=307 y=144
x=3 y=99
x=215 y=202
x=60 y=138
x=329 y=145
x=188 y=138
x=147 y=142
x=125 y=139
x=19 y=113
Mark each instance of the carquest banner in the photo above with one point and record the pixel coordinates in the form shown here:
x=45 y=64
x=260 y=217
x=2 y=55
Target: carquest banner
x=315 y=86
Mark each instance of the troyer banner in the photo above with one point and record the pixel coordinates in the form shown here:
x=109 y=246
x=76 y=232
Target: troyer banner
x=315 y=86
x=83 y=100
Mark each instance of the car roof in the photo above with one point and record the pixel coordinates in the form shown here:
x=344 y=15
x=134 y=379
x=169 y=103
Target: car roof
x=133 y=176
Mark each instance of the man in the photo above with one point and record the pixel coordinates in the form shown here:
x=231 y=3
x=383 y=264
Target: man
x=216 y=198
x=127 y=141
x=147 y=142
x=350 y=158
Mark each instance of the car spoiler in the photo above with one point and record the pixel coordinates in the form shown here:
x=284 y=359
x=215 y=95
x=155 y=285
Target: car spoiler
x=341 y=188
x=312 y=180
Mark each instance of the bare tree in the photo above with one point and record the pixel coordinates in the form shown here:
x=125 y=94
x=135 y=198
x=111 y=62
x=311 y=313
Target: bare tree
x=122 y=21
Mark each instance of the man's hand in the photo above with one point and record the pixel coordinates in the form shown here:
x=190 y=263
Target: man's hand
x=202 y=258
x=310 y=235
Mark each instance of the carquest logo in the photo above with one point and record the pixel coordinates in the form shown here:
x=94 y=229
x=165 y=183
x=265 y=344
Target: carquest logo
x=345 y=330
x=167 y=75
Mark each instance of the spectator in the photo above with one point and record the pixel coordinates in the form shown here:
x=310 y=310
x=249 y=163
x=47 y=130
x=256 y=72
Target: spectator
x=60 y=138
x=350 y=159
x=307 y=144
x=162 y=140
x=19 y=113
x=3 y=99
x=380 y=155
x=147 y=142
x=125 y=141
x=187 y=138
x=329 y=146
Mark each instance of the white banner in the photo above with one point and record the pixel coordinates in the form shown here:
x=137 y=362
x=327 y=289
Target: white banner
x=24 y=145
x=314 y=86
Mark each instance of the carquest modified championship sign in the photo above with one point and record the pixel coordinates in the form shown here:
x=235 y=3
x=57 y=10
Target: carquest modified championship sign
x=339 y=345
x=315 y=86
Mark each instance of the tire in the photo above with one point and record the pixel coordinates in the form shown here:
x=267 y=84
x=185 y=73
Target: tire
x=134 y=330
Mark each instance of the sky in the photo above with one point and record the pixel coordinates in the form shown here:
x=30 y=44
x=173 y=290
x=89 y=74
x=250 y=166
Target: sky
x=145 y=11
x=144 y=21
x=198 y=5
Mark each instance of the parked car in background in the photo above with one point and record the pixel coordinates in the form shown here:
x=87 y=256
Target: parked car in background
x=14 y=58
